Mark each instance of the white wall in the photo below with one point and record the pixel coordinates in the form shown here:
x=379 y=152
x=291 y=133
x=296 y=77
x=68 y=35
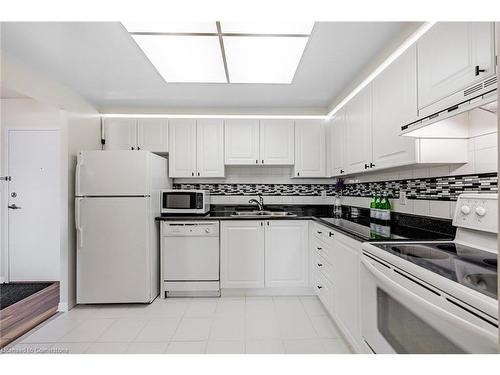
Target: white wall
x=82 y=131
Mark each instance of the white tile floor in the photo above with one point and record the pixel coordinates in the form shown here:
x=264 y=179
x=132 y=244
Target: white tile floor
x=257 y=325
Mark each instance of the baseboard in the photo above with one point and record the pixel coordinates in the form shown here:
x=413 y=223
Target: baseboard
x=63 y=307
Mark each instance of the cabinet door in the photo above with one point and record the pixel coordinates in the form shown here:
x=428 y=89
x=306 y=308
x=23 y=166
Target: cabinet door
x=241 y=141
x=358 y=124
x=242 y=254
x=210 y=148
x=286 y=253
x=394 y=104
x=336 y=145
x=182 y=148
x=310 y=148
x=447 y=58
x=345 y=264
x=120 y=133
x=152 y=134
x=277 y=142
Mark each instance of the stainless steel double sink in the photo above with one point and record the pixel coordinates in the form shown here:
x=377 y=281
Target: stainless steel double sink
x=257 y=213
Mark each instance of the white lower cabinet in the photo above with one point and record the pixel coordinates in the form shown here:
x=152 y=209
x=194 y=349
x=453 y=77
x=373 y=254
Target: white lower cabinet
x=242 y=254
x=286 y=253
x=335 y=279
x=264 y=254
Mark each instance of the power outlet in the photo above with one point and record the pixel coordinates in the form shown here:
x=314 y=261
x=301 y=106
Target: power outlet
x=402 y=198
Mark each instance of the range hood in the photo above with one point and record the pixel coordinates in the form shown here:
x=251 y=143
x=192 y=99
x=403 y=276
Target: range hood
x=437 y=125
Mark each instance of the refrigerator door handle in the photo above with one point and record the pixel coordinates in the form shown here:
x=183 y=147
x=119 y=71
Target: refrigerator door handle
x=79 y=230
x=77 y=174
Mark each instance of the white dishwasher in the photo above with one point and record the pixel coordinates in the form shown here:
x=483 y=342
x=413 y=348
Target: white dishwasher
x=190 y=259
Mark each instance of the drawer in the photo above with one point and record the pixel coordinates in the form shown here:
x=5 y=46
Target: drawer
x=324 y=291
x=323 y=266
x=323 y=233
x=321 y=248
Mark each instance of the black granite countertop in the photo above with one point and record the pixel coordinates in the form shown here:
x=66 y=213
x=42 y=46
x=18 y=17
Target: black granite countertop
x=355 y=222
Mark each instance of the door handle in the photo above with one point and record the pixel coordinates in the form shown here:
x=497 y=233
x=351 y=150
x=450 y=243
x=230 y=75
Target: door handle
x=14 y=207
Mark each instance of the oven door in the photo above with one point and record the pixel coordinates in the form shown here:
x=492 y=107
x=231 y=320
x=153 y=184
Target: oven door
x=402 y=314
x=182 y=201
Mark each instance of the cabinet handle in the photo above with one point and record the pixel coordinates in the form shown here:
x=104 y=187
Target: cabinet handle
x=367 y=166
x=330 y=234
x=319 y=287
x=372 y=165
x=256 y=161
x=298 y=174
x=138 y=148
x=192 y=173
x=268 y=223
x=319 y=248
x=479 y=70
x=262 y=161
x=198 y=173
x=320 y=265
x=132 y=147
x=261 y=224
x=319 y=232
x=342 y=171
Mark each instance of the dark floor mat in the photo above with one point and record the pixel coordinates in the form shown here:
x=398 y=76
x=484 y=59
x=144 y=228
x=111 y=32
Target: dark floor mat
x=12 y=293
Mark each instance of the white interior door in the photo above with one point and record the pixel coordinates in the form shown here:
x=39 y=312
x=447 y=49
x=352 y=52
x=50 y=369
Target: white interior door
x=34 y=212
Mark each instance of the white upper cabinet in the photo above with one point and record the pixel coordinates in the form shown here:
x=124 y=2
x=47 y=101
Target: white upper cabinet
x=210 y=148
x=277 y=142
x=286 y=253
x=394 y=104
x=136 y=134
x=152 y=134
x=241 y=142
x=120 y=133
x=242 y=254
x=336 y=145
x=182 y=155
x=358 y=123
x=310 y=148
x=196 y=148
x=451 y=57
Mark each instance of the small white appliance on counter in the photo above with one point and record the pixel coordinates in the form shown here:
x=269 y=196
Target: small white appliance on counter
x=180 y=202
x=117 y=200
x=435 y=297
x=190 y=258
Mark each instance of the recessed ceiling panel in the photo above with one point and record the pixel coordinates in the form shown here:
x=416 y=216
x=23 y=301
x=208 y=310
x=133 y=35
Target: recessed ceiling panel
x=263 y=59
x=275 y=27
x=170 y=27
x=184 y=58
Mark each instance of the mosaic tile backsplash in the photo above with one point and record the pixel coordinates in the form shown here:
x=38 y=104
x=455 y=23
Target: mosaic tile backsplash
x=434 y=188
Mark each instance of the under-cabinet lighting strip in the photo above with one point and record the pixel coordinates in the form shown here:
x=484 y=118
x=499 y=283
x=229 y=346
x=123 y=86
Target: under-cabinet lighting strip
x=286 y=117
x=392 y=57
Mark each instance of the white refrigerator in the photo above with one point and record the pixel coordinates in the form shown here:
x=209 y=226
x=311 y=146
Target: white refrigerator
x=117 y=241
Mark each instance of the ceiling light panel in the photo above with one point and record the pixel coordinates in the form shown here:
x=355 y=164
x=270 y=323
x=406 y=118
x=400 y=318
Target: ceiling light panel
x=170 y=27
x=263 y=59
x=184 y=58
x=267 y=28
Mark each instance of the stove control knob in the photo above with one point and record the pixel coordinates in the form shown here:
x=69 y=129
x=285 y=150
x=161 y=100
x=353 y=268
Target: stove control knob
x=480 y=211
x=465 y=210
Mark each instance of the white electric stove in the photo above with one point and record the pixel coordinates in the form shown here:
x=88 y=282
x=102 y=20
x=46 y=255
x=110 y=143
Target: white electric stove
x=435 y=297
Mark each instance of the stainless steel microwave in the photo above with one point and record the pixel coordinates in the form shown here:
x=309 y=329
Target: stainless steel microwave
x=176 y=201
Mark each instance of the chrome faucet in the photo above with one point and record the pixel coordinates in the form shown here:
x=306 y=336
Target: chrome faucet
x=259 y=202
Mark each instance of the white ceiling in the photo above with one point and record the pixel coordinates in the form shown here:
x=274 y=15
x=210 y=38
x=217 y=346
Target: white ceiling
x=102 y=62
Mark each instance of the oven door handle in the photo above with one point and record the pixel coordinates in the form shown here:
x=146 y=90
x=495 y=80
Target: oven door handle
x=414 y=299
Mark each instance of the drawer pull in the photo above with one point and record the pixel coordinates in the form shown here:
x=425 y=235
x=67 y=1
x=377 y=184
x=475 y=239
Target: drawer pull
x=320 y=265
x=319 y=232
x=319 y=248
x=319 y=287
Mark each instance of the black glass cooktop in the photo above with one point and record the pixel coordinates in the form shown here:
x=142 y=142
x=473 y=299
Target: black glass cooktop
x=473 y=268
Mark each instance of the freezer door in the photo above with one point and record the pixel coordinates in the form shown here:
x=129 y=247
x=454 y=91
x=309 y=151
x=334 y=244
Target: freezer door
x=114 y=250
x=113 y=173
